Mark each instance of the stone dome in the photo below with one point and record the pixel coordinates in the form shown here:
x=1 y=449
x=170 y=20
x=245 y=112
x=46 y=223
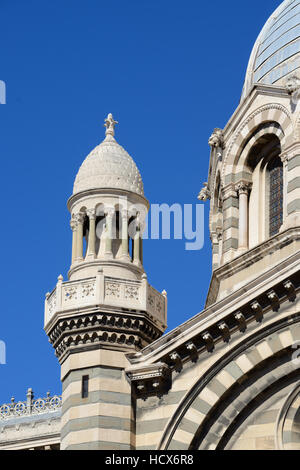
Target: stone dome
x=109 y=166
x=276 y=53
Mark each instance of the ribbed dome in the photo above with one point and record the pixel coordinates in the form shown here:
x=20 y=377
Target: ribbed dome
x=276 y=53
x=109 y=166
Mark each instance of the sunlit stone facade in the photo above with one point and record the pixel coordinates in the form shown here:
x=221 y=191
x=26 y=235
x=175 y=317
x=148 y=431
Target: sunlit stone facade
x=228 y=378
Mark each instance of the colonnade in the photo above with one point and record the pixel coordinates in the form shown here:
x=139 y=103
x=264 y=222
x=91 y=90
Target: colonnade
x=77 y=226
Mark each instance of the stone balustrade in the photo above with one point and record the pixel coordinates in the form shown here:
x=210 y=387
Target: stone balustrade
x=30 y=407
x=107 y=292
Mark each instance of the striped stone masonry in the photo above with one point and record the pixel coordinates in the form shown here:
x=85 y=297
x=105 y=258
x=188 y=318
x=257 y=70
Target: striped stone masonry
x=230 y=221
x=157 y=427
x=103 y=419
x=292 y=171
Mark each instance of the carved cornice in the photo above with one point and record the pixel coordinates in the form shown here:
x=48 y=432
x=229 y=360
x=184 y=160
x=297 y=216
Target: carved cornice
x=235 y=310
x=120 y=331
x=254 y=310
x=150 y=380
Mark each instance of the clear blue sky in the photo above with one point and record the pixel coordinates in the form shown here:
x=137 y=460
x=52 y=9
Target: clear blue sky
x=170 y=71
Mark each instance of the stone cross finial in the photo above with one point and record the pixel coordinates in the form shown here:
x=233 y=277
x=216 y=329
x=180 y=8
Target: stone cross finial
x=110 y=125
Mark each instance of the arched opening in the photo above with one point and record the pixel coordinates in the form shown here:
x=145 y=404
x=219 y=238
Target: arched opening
x=100 y=229
x=266 y=197
x=131 y=234
x=86 y=229
x=117 y=234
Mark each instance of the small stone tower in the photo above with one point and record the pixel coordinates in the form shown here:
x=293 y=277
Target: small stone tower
x=106 y=309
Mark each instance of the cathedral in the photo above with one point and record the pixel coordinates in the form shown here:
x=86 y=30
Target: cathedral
x=228 y=378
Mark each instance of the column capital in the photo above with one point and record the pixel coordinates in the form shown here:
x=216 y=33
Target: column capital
x=124 y=214
x=243 y=187
x=110 y=212
x=91 y=213
x=79 y=218
x=73 y=224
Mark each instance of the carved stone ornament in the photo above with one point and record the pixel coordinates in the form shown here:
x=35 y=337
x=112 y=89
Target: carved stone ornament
x=91 y=213
x=243 y=187
x=292 y=84
x=204 y=194
x=217 y=139
x=110 y=124
x=151 y=380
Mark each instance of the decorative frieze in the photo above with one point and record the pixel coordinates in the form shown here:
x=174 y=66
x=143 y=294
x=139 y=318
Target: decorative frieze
x=107 y=291
x=113 y=289
x=131 y=292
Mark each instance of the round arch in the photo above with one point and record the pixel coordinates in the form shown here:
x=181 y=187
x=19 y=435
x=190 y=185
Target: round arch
x=271 y=113
x=189 y=424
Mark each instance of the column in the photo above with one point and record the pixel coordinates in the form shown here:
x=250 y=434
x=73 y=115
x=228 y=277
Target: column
x=141 y=248
x=137 y=245
x=125 y=246
x=109 y=233
x=243 y=191
x=79 y=241
x=73 y=224
x=220 y=245
x=91 y=252
x=215 y=250
x=285 y=161
x=228 y=220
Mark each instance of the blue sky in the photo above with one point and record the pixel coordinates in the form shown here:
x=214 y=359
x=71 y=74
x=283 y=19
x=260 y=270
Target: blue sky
x=170 y=72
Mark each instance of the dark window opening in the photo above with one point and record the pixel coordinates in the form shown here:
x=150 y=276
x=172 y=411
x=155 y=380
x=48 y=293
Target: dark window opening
x=276 y=195
x=85 y=386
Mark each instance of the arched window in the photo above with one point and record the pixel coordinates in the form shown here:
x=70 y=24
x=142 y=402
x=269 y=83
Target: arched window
x=275 y=183
x=266 y=197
